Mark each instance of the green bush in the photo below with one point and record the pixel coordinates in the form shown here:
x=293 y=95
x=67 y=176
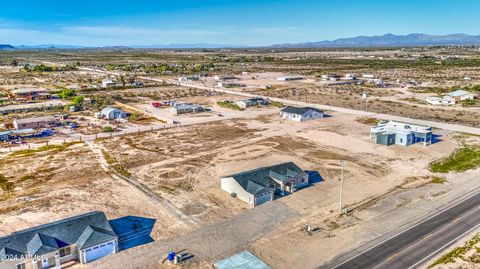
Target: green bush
x=228 y=105
x=463 y=159
x=276 y=104
x=438 y=180
x=107 y=129
x=66 y=94
x=5 y=185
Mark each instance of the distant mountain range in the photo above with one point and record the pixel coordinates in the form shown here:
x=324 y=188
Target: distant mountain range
x=388 y=40
x=6 y=47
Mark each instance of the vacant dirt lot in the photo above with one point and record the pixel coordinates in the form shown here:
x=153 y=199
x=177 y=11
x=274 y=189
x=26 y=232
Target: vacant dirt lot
x=380 y=101
x=183 y=166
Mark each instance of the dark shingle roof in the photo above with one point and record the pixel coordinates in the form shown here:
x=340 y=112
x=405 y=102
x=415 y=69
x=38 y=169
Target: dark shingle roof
x=255 y=181
x=299 y=110
x=84 y=230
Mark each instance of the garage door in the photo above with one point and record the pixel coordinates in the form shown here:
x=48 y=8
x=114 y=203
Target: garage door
x=262 y=198
x=99 y=251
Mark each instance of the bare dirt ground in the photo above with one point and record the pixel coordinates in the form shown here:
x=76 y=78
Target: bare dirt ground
x=57 y=184
x=380 y=101
x=183 y=167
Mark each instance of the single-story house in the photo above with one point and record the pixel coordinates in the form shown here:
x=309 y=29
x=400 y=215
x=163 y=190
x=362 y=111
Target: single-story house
x=31 y=94
x=112 y=113
x=230 y=84
x=39 y=122
x=252 y=102
x=330 y=77
x=461 y=95
x=85 y=237
x=445 y=101
x=399 y=133
x=301 y=113
x=225 y=77
x=260 y=185
x=183 y=108
x=289 y=78
x=109 y=82
x=188 y=78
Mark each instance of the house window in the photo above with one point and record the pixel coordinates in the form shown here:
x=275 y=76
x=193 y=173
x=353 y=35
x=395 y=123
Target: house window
x=304 y=180
x=21 y=265
x=65 y=252
x=401 y=140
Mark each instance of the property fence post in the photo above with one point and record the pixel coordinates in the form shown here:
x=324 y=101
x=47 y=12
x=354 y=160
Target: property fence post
x=46 y=143
x=80 y=138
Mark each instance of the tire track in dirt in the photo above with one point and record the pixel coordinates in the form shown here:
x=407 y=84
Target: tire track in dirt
x=170 y=208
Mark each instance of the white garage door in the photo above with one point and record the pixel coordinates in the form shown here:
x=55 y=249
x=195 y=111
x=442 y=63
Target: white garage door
x=99 y=251
x=262 y=198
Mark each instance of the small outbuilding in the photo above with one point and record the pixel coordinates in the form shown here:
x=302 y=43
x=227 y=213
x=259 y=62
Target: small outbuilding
x=109 y=82
x=461 y=95
x=38 y=122
x=301 y=113
x=31 y=94
x=252 y=102
x=445 y=100
x=289 y=78
x=183 y=108
x=112 y=113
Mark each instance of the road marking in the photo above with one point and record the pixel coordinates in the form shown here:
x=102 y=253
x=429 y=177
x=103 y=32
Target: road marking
x=457 y=219
x=443 y=247
x=392 y=256
x=399 y=233
x=427 y=236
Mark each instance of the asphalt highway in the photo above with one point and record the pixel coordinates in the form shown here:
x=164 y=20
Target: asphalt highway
x=418 y=244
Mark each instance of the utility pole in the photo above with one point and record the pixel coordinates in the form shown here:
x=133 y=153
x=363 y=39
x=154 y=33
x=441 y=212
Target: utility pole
x=365 y=97
x=342 y=163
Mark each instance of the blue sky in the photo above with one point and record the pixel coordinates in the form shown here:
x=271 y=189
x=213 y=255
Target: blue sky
x=247 y=22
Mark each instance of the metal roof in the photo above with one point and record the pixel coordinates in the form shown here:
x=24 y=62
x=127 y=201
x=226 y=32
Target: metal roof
x=37 y=119
x=28 y=90
x=458 y=93
x=109 y=109
x=21 y=131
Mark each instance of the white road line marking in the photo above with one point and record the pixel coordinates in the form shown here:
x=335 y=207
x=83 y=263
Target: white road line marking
x=444 y=246
x=421 y=221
